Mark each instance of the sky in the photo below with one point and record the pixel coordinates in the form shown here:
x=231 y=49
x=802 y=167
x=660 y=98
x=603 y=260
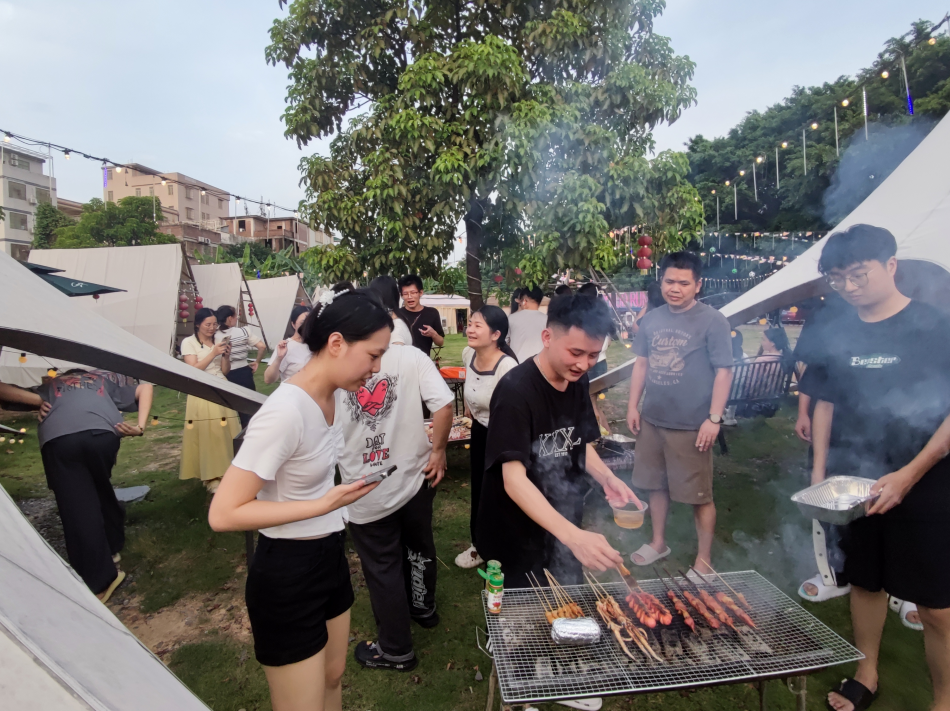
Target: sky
x=183 y=86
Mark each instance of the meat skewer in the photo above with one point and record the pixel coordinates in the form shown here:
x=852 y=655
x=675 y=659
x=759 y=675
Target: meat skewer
x=739 y=596
x=619 y=624
x=712 y=603
x=696 y=603
x=678 y=604
x=640 y=600
x=727 y=601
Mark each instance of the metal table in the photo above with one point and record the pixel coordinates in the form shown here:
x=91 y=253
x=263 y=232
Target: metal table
x=529 y=668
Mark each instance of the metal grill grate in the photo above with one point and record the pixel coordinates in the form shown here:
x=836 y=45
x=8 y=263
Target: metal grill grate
x=530 y=668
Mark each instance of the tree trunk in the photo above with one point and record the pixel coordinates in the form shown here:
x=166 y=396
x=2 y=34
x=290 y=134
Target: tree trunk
x=473 y=251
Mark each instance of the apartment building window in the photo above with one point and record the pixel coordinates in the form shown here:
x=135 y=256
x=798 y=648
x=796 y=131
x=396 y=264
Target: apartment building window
x=151 y=192
x=171 y=189
x=110 y=197
x=18 y=161
x=138 y=192
x=205 y=216
x=189 y=193
x=241 y=225
x=220 y=204
x=190 y=213
x=42 y=195
x=18 y=221
x=205 y=200
x=109 y=173
x=17 y=190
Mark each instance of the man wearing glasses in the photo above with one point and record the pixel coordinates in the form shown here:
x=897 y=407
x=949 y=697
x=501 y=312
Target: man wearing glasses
x=425 y=322
x=887 y=388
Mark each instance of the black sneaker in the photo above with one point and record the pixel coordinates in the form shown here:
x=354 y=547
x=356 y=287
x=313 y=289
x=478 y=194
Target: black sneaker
x=369 y=655
x=429 y=621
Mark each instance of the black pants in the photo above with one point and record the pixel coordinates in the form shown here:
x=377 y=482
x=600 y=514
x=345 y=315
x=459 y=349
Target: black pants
x=79 y=471
x=398 y=554
x=477 y=453
x=245 y=378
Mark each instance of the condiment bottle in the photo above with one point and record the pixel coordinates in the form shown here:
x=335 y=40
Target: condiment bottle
x=494 y=585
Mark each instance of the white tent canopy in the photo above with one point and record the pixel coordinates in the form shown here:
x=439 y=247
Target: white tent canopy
x=37 y=318
x=218 y=284
x=913 y=203
x=60 y=648
x=150 y=276
x=274 y=299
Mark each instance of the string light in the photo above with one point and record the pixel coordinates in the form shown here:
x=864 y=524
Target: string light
x=23 y=430
x=2 y=439
x=932 y=41
x=118 y=169
x=759 y=159
x=190 y=425
x=814 y=126
x=845 y=102
x=7 y=136
x=728 y=183
x=885 y=74
x=784 y=144
x=22 y=358
x=154 y=420
x=164 y=181
x=66 y=155
x=741 y=172
x=51 y=373
x=224 y=421
x=21 y=441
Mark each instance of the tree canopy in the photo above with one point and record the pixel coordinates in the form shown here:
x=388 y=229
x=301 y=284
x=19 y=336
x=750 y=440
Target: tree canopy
x=530 y=120
x=108 y=224
x=48 y=219
x=799 y=199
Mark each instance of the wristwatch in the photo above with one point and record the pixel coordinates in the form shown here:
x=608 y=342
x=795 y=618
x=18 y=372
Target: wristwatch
x=715 y=419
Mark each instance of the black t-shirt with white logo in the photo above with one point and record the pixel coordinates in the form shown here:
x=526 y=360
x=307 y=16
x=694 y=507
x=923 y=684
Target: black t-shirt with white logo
x=890 y=384
x=417 y=320
x=548 y=431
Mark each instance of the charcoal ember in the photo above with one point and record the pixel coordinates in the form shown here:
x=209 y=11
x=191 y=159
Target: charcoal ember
x=753 y=641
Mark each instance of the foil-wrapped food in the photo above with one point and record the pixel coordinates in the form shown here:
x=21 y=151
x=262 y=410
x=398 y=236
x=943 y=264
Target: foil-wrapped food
x=578 y=632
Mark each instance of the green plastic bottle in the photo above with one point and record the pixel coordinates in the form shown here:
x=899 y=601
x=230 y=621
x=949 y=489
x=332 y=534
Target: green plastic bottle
x=494 y=585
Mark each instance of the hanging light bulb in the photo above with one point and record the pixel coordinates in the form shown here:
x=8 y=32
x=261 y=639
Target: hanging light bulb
x=118 y=169
x=154 y=420
x=22 y=358
x=164 y=181
x=741 y=173
x=296 y=215
x=66 y=154
x=224 y=421
x=845 y=102
x=2 y=439
x=814 y=126
x=713 y=192
x=23 y=430
x=20 y=441
x=784 y=144
x=932 y=41
x=51 y=373
x=7 y=136
x=202 y=192
x=728 y=183
x=190 y=425
x=759 y=159
x=885 y=74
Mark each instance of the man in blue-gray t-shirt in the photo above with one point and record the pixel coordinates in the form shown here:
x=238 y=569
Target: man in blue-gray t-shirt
x=684 y=365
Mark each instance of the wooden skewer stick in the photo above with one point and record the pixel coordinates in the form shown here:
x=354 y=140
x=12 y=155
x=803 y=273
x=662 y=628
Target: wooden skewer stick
x=540 y=597
x=541 y=591
x=739 y=596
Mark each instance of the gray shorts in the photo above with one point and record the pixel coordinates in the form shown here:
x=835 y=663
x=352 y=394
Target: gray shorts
x=669 y=460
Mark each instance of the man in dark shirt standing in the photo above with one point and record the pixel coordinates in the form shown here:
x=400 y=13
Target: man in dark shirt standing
x=424 y=322
x=887 y=395
x=538 y=450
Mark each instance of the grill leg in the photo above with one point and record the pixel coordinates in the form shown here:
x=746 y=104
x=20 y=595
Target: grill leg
x=798 y=686
x=762 y=687
x=492 y=683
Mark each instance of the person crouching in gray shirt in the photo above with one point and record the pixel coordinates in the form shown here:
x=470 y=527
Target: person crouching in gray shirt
x=684 y=364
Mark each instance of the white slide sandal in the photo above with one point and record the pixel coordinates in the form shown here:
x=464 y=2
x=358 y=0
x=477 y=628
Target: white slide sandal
x=593 y=704
x=649 y=555
x=825 y=592
x=904 y=608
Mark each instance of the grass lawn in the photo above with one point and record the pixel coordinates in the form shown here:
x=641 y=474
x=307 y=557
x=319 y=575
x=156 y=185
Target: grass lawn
x=185 y=595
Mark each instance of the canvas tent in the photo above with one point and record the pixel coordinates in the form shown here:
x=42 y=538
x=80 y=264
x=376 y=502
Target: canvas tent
x=914 y=204
x=453 y=310
x=219 y=284
x=60 y=648
x=36 y=318
x=152 y=277
x=274 y=299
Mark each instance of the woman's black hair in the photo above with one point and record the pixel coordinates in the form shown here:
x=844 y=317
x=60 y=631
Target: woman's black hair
x=385 y=287
x=516 y=299
x=563 y=290
x=223 y=313
x=202 y=315
x=737 y=354
x=295 y=313
x=655 y=295
x=342 y=286
x=497 y=320
x=779 y=339
x=356 y=315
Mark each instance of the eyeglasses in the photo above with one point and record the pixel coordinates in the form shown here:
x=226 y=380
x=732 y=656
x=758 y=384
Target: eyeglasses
x=411 y=294
x=857 y=280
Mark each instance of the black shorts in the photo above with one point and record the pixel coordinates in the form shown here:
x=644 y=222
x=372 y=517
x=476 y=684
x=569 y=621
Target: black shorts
x=293 y=588
x=905 y=551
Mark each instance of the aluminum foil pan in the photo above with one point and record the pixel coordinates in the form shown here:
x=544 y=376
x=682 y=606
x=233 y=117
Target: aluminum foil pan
x=838 y=499
x=575 y=633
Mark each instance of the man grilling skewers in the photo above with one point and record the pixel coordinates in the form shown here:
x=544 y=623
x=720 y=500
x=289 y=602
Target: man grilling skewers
x=887 y=393
x=538 y=449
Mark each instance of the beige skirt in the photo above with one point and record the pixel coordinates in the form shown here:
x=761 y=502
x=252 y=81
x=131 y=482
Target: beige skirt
x=207 y=446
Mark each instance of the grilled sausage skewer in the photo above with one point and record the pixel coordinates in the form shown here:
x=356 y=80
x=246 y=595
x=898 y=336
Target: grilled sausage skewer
x=727 y=601
x=712 y=603
x=696 y=603
x=739 y=596
x=678 y=604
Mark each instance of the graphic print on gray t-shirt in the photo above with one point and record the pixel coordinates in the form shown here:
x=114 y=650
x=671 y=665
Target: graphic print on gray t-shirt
x=82 y=402
x=684 y=350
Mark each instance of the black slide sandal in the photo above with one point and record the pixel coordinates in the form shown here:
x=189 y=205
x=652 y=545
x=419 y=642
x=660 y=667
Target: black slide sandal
x=855 y=692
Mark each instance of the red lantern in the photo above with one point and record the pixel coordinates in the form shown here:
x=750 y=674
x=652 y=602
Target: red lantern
x=498 y=278
x=644 y=252
x=250 y=309
x=183 y=313
x=645 y=240
x=644 y=264
x=517 y=271
x=95 y=296
x=198 y=301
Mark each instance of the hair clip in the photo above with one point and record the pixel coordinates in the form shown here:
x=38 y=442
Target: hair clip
x=328 y=297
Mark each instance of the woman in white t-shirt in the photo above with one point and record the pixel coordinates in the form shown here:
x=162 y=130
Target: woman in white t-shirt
x=206 y=447
x=487 y=358
x=291 y=353
x=388 y=292
x=298 y=589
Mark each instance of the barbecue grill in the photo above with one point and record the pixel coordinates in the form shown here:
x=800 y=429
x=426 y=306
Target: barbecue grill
x=529 y=668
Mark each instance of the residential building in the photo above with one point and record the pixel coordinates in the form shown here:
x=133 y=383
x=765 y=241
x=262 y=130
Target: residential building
x=24 y=185
x=183 y=199
x=70 y=207
x=277 y=233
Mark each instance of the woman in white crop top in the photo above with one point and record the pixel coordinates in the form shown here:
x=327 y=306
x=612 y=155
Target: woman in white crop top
x=298 y=590
x=291 y=353
x=487 y=359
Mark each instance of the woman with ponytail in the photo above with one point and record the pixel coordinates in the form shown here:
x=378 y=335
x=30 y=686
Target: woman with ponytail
x=208 y=440
x=281 y=482
x=487 y=358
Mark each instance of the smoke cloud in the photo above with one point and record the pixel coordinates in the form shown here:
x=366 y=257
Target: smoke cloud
x=865 y=164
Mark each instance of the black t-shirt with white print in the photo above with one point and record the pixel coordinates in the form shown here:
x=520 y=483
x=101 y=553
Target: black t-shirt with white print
x=548 y=431
x=417 y=320
x=890 y=384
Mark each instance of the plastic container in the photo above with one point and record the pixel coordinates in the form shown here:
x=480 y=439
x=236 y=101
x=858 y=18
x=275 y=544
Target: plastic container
x=494 y=585
x=629 y=515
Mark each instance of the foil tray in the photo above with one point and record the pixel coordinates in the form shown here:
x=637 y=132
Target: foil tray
x=838 y=499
